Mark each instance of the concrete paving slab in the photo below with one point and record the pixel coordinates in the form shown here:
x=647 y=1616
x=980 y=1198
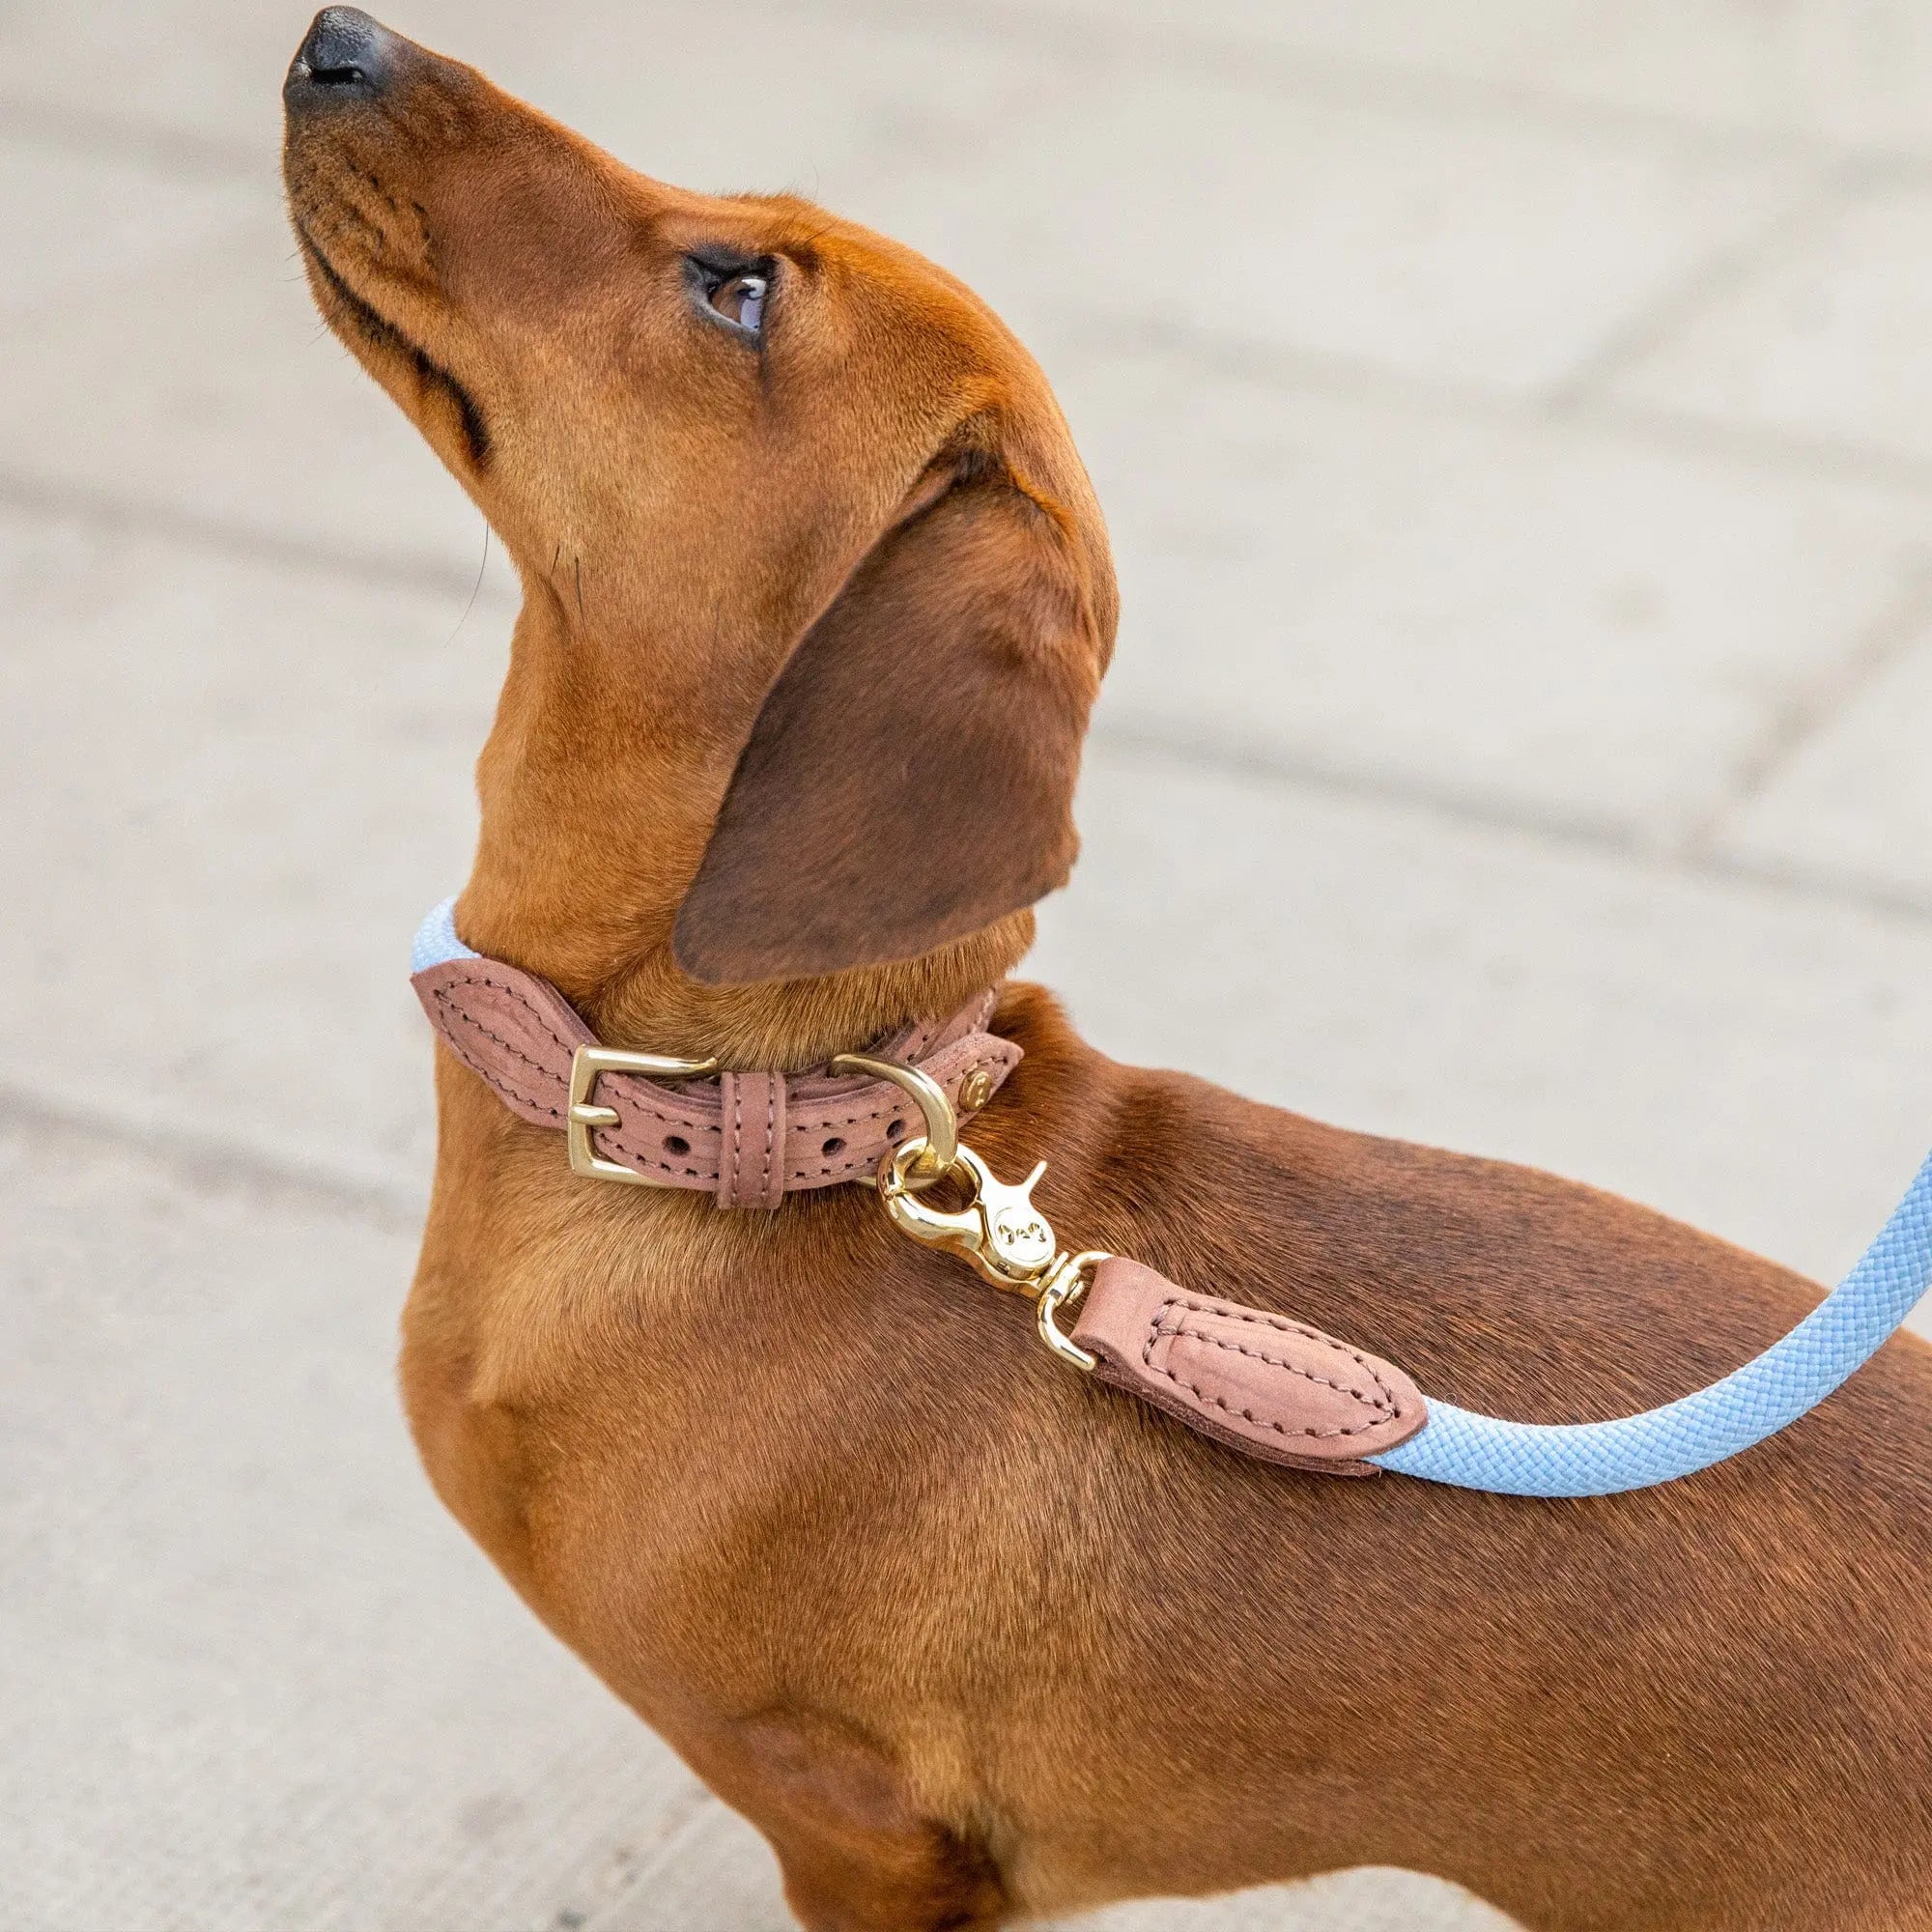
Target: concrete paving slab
x=207 y=386
x=1749 y=1060
x=715 y=1871
x=1860 y=77
x=1476 y=253
x=1826 y=342
x=205 y=73
x=241 y=789
x=71 y=222
x=1383 y=37
x=254 y=1678
x=1854 y=800
x=1549 y=620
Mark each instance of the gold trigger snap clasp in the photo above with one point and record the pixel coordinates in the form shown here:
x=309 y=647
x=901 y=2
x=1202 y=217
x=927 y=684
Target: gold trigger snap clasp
x=997 y=1228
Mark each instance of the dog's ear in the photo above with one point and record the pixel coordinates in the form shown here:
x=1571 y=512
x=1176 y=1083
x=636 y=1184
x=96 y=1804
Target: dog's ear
x=910 y=777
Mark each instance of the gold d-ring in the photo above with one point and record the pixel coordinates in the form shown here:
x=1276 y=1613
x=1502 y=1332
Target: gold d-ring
x=942 y=1124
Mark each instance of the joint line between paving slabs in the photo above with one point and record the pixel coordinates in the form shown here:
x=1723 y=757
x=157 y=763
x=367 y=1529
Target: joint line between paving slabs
x=1303 y=371
x=1706 y=282
x=53 y=500
x=1337 y=76
x=204 y=1165
x=1551 y=827
x=1814 y=707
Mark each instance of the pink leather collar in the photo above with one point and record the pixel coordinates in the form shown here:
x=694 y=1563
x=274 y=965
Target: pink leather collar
x=748 y=1138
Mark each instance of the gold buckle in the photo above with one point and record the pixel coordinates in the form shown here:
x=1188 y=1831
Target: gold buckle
x=585 y=1064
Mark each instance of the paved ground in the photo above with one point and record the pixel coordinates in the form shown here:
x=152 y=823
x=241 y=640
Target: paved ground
x=1516 y=421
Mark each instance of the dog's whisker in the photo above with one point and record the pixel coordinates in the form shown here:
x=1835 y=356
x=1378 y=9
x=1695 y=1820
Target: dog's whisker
x=476 y=589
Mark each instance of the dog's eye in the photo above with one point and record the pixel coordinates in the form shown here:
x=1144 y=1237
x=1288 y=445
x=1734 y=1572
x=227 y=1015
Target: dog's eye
x=734 y=291
x=742 y=300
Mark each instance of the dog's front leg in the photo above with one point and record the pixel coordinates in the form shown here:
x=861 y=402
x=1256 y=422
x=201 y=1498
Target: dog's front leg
x=858 y=1854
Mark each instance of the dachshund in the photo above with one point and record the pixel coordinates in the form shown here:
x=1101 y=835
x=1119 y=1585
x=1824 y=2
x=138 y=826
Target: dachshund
x=816 y=596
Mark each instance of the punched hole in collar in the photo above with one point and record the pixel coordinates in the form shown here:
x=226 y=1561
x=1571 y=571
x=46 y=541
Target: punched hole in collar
x=834 y=1146
x=896 y=1131
x=676 y=1144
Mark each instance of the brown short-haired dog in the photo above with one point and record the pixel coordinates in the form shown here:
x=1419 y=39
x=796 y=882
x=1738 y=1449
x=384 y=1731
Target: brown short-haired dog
x=816 y=597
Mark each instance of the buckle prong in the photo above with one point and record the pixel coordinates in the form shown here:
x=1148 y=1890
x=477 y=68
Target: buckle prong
x=582 y=1116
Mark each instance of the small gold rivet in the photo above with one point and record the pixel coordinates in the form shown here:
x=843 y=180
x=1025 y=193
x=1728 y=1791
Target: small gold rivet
x=976 y=1090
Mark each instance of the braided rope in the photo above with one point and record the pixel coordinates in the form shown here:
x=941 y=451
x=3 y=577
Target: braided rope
x=436 y=942
x=1769 y=1393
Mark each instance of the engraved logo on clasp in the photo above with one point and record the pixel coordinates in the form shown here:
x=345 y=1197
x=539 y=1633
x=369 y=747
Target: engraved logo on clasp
x=1023 y=1236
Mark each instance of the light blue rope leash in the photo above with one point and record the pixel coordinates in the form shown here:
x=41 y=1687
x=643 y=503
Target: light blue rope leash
x=436 y=942
x=1600 y=1459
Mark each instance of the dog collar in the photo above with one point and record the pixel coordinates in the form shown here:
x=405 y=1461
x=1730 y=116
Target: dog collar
x=747 y=1139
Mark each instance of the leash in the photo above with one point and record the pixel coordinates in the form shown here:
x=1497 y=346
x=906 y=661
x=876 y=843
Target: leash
x=1246 y=1378
x=1767 y=1394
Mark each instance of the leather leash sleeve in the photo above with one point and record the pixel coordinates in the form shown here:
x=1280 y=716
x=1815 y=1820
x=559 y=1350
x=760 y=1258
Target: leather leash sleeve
x=1249 y=1380
x=749 y=1139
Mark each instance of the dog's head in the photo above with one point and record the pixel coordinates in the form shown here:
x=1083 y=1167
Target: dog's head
x=816 y=593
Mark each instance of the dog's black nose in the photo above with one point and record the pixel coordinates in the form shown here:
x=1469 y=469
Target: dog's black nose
x=345 y=56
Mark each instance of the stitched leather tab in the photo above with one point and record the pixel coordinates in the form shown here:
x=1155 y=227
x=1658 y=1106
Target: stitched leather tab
x=751 y=1170
x=511 y=1029
x=1252 y=1380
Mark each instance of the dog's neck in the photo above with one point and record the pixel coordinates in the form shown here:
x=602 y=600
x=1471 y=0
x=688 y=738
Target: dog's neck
x=596 y=804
